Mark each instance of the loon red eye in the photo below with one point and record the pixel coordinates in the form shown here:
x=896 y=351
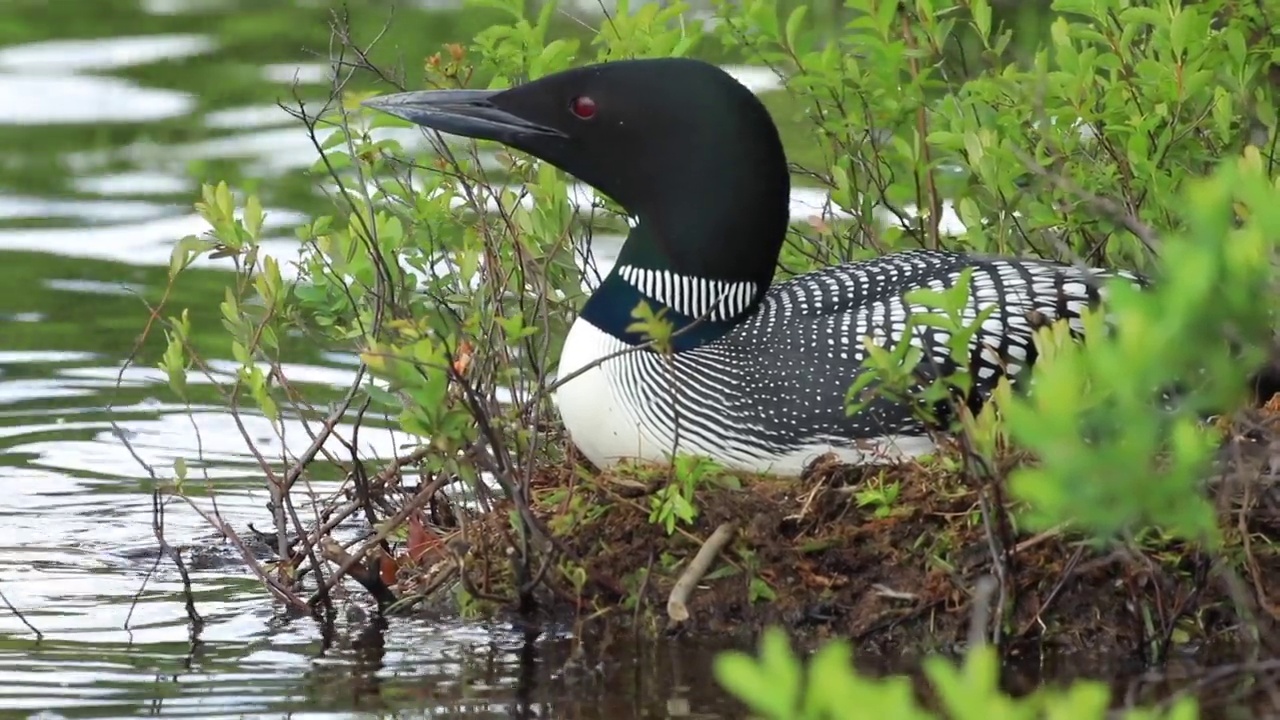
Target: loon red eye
x=583 y=107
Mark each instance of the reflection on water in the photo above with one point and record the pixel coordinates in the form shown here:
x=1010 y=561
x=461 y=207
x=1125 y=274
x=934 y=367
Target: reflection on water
x=453 y=671
x=79 y=99
x=69 y=57
x=60 y=81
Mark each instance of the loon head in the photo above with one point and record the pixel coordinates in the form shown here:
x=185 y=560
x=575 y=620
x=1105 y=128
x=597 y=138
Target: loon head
x=690 y=153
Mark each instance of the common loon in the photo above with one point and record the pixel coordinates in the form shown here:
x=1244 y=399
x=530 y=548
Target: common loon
x=758 y=374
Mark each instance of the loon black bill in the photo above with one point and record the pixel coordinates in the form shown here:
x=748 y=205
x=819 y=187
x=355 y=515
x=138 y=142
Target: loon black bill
x=470 y=113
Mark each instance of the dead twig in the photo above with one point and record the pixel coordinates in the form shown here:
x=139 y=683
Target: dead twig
x=18 y=614
x=980 y=616
x=368 y=578
x=272 y=584
x=1066 y=575
x=677 y=602
x=422 y=497
x=167 y=550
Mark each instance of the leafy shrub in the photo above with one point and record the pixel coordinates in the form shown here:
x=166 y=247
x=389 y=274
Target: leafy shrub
x=1076 y=148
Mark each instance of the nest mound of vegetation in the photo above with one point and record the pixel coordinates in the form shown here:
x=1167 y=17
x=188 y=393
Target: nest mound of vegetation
x=893 y=557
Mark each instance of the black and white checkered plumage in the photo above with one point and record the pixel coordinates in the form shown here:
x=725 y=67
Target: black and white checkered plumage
x=770 y=394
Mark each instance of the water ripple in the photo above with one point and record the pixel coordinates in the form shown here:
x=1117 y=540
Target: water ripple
x=67 y=100
x=99 y=54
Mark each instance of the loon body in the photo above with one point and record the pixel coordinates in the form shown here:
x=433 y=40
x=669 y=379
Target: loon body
x=759 y=372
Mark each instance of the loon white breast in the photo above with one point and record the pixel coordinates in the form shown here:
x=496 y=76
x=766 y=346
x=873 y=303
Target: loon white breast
x=758 y=373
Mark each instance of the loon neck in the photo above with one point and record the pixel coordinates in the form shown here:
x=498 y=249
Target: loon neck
x=705 y=271
x=709 y=199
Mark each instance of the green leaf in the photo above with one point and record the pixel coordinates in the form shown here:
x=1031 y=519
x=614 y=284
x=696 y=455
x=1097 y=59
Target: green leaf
x=1180 y=30
x=764 y=15
x=333 y=140
x=793 y=24
x=750 y=682
x=981 y=10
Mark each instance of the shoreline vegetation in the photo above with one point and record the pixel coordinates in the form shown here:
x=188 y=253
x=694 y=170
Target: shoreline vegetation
x=1093 y=515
